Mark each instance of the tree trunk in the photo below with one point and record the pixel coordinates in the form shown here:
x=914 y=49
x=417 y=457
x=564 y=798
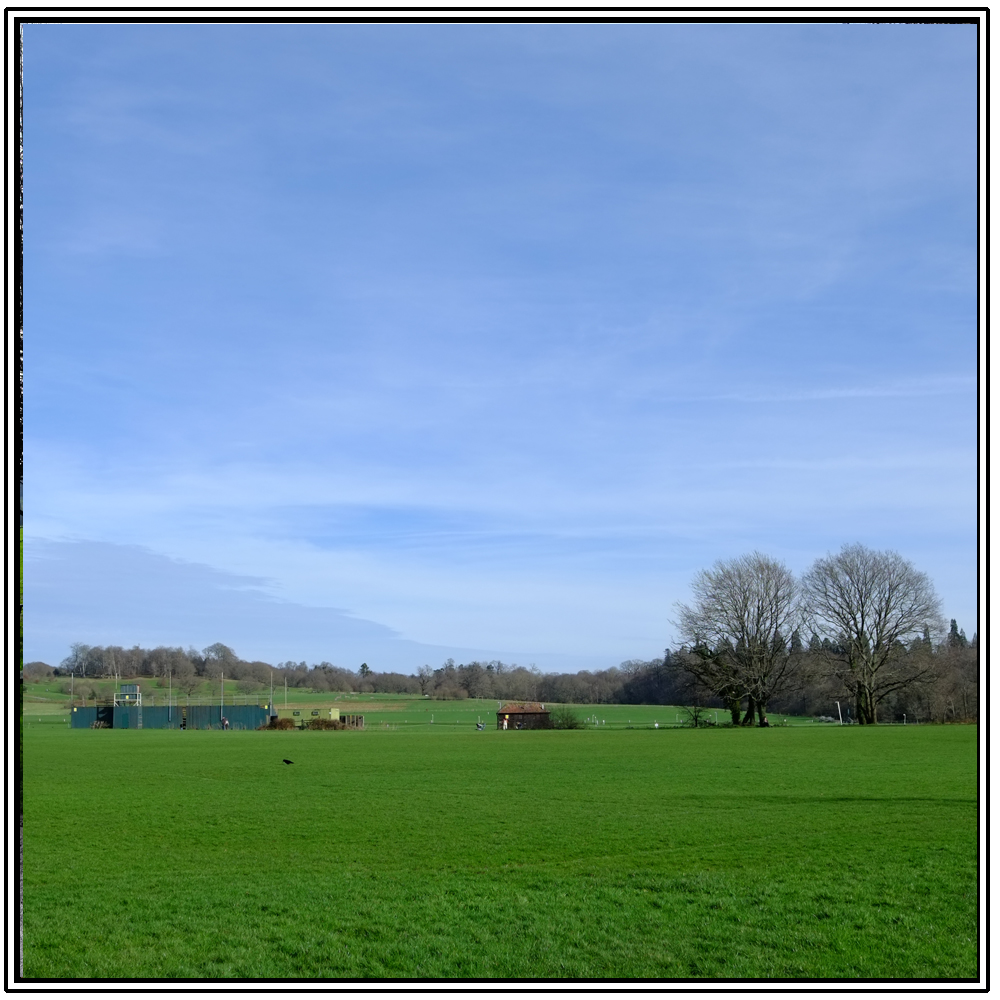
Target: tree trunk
x=865 y=706
x=733 y=704
x=748 y=718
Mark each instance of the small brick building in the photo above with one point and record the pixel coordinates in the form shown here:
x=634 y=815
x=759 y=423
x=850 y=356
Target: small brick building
x=523 y=715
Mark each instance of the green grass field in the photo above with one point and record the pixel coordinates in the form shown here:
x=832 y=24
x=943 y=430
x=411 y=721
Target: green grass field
x=425 y=853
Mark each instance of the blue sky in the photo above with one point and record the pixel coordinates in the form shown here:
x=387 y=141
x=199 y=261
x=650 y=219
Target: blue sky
x=393 y=342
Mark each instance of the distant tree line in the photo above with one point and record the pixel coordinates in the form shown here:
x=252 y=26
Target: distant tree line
x=947 y=691
x=875 y=643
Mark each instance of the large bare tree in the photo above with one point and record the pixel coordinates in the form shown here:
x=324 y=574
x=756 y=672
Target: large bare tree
x=869 y=604
x=737 y=631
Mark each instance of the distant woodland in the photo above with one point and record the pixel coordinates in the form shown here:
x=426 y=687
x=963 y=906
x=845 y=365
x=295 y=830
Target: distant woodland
x=947 y=688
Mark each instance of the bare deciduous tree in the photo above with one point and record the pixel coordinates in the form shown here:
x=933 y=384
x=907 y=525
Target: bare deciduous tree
x=78 y=659
x=219 y=659
x=869 y=603
x=738 y=630
x=425 y=676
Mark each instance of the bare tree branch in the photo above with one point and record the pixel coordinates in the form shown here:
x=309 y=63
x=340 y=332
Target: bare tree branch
x=870 y=604
x=737 y=631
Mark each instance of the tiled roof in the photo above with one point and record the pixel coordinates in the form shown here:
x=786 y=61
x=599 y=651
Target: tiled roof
x=523 y=708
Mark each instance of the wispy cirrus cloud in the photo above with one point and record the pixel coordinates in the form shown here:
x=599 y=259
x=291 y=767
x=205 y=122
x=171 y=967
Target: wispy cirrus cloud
x=960 y=385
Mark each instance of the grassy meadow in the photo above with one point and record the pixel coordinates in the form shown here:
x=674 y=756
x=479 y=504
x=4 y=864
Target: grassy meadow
x=437 y=851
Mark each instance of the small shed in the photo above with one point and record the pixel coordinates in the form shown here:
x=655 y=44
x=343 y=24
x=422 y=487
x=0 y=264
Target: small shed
x=523 y=715
x=302 y=716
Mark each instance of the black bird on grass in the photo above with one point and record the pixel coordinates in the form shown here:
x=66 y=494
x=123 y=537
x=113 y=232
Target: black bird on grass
x=285 y=760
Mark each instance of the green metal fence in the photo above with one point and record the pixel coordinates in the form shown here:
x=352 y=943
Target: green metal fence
x=170 y=717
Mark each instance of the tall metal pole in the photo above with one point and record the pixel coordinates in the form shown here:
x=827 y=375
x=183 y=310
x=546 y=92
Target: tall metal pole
x=286 y=690
x=170 y=691
x=222 y=694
